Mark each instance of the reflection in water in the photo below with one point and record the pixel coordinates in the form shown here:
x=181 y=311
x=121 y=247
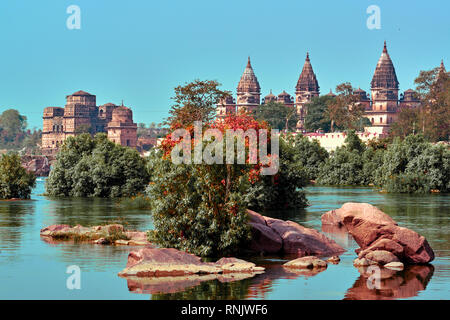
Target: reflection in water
x=393 y=284
x=209 y=290
x=14 y=217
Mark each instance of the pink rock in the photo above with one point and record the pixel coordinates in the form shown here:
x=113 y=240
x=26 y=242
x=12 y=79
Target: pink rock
x=373 y=230
x=264 y=239
x=303 y=241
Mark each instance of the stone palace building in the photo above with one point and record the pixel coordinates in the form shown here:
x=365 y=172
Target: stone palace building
x=81 y=114
x=382 y=106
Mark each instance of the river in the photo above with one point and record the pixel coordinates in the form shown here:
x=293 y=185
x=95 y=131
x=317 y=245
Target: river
x=30 y=268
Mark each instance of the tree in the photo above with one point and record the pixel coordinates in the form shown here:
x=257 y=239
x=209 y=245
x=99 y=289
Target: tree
x=345 y=166
x=195 y=101
x=317 y=117
x=346 y=112
x=284 y=190
x=12 y=129
x=414 y=165
x=277 y=115
x=433 y=87
x=15 y=181
x=201 y=208
x=96 y=167
x=408 y=120
x=310 y=155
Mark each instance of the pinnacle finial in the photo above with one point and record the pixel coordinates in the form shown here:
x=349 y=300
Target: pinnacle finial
x=248 y=62
x=307 y=55
x=385 y=48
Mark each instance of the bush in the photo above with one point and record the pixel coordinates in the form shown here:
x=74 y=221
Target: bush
x=414 y=165
x=282 y=191
x=310 y=155
x=345 y=166
x=15 y=181
x=96 y=167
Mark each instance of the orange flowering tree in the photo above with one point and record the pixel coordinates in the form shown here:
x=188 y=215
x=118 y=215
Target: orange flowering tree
x=201 y=207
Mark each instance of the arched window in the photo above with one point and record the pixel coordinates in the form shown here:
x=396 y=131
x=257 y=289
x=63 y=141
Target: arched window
x=372 y=120
x=381 y=120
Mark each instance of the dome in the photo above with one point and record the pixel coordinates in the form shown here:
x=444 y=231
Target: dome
x=248 y=82
x=384 y=76
x=307 y=80
x=122 y=114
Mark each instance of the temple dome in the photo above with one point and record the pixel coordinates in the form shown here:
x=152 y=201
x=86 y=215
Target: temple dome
x=307 y=80
x=122 y=114
x=248 y=82
x=384 y=76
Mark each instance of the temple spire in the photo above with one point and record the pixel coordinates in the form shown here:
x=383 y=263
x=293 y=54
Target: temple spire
x=248 y=82
x=307 y=80
x=384 y=75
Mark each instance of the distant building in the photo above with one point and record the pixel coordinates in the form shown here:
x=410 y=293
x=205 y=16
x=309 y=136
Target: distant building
x=81 y=114
x=382 y=106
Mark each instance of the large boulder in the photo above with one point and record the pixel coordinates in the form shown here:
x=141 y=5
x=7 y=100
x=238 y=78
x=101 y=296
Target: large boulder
x=278 y=236
x=169 y=262
x=374 y=230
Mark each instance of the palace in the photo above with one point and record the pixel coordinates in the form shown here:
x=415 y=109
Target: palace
x=81 y=114
x=382 y=106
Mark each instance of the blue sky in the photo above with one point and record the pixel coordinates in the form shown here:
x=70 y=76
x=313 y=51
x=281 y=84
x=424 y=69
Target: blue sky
x=140 y=50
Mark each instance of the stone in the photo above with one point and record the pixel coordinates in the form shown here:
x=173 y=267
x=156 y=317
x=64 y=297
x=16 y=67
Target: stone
x=169 y=262
x=333 y=260
x=374 y=230
x=363 y=262
x=381 y=257
x=303 y=241
x=309 y=262
x=105 y=234
x=264 y=239
x=397 y=265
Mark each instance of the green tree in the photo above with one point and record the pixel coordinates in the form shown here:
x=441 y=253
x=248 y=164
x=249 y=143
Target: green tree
x=15 y=181
x=317 y=117
x=195 y=101
x=284 y=190
x=96 y=167
x=12 y=129
x=414 y=165
x=277 y=115
x=310 y=155
x=345 y=166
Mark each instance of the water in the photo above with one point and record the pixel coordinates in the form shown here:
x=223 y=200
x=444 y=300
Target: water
x=33 y=269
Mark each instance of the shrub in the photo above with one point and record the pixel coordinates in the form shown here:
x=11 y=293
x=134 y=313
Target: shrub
x=96 y=167
x=15 y=181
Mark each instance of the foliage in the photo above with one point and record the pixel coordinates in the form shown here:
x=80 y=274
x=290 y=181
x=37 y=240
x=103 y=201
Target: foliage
x=345 y=166
x=414 y=165
x=345 y=111
x=195 y=101
x=140 y=201
x=96 y=167
x=13 y=133
x=277 y=115
x=15 y=181
x=317 y=117
x=310 y=155
x=283 y=190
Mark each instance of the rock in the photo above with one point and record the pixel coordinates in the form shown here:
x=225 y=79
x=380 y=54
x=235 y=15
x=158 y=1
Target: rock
x=394 y=265
x=334 y=260
x=381 y=257
x=164 y=262
x=271 y=235
x=264 y=239
x=105 y=234
x=374 y=230
x=309 y=262
x=361 y=262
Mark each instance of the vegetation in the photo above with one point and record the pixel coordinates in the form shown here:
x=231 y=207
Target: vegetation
x=96 y=167
x=283 y=190
x=411 y=165
x=432 y=117
x=15 y=181
x=317 y=117
x=310 y=155
x=277 y=115
x=13 y=132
